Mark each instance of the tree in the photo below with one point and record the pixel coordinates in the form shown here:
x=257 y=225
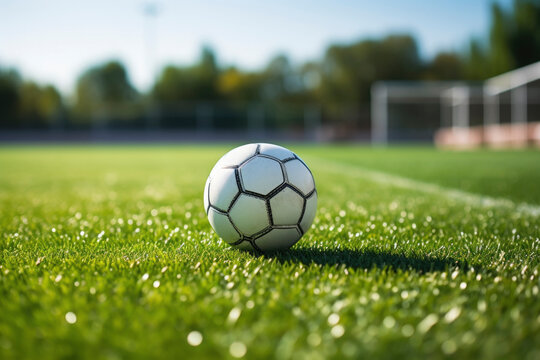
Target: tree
x=9 y=97
x=524 y=37
x=500 y=57
x=277 y=78
x=238 y=86
x=39 y=105
x=475 y=65
x=197 y=82
x=349 y=70
x=26 y=103
x=514 y=41
x=104 y=88
x=445 y=66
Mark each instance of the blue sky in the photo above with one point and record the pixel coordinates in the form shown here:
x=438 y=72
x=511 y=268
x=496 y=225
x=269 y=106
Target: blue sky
x=54 y=41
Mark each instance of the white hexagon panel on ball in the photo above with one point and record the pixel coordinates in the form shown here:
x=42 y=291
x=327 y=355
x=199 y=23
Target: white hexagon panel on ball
x=261 y=175
x=260 y=197
x=250 y=215
x=286 y=207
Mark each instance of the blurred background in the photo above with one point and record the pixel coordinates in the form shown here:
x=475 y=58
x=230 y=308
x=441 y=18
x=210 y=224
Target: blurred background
x=460 y=73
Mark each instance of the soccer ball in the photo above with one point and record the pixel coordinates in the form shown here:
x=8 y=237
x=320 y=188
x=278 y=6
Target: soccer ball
x=260 y=196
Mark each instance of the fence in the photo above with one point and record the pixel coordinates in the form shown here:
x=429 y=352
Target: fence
x=201 y=120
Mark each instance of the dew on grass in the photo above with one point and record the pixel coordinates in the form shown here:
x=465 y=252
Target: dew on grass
x=234 y=314
x=407 y=330
x=156 y=284
x=237 y=349
x=427 y=323
x=314 y=339
x=194 y=338
x=145 y=277
x=438 y=239
x=71 y=318
x=452 y=314
x=337 y=331
x=333 y=319
x=449 y=347
x=389 y=322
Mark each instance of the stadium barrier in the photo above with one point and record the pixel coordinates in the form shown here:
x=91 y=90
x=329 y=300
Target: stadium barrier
x=491 y=136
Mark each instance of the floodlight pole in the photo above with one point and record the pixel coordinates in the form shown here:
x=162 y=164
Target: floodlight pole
x=379 y=115
x=150 y=11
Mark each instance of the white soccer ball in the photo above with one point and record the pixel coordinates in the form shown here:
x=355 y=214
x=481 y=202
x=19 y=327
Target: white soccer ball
x=260 y=196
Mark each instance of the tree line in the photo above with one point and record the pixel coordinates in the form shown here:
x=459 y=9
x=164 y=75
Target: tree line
x=344 y=75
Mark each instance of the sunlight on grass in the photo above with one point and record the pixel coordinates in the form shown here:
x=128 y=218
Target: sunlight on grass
x=107 y=251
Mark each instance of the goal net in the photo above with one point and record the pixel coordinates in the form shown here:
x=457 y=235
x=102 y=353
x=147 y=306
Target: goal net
x=503 y=111
x=414 y=111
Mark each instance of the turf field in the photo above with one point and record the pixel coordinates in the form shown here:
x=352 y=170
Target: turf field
x=105 y=252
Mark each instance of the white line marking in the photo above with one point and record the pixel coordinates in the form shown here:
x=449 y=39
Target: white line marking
x=430 y=188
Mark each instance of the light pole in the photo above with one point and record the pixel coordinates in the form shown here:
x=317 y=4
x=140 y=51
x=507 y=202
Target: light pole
x=150 y=11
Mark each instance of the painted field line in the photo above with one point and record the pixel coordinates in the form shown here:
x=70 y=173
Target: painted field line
x=388 y=179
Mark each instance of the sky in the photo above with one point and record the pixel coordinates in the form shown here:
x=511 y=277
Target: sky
x=54 y=41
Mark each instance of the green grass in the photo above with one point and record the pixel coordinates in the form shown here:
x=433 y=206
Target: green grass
x=118 y=237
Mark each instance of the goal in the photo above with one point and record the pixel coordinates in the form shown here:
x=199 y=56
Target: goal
x=415 y=111
x=503 y=111
x=512 y=108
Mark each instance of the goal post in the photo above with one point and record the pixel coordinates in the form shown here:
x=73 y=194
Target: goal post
x=519 y=84
x=501 y=111
x=440 y=102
